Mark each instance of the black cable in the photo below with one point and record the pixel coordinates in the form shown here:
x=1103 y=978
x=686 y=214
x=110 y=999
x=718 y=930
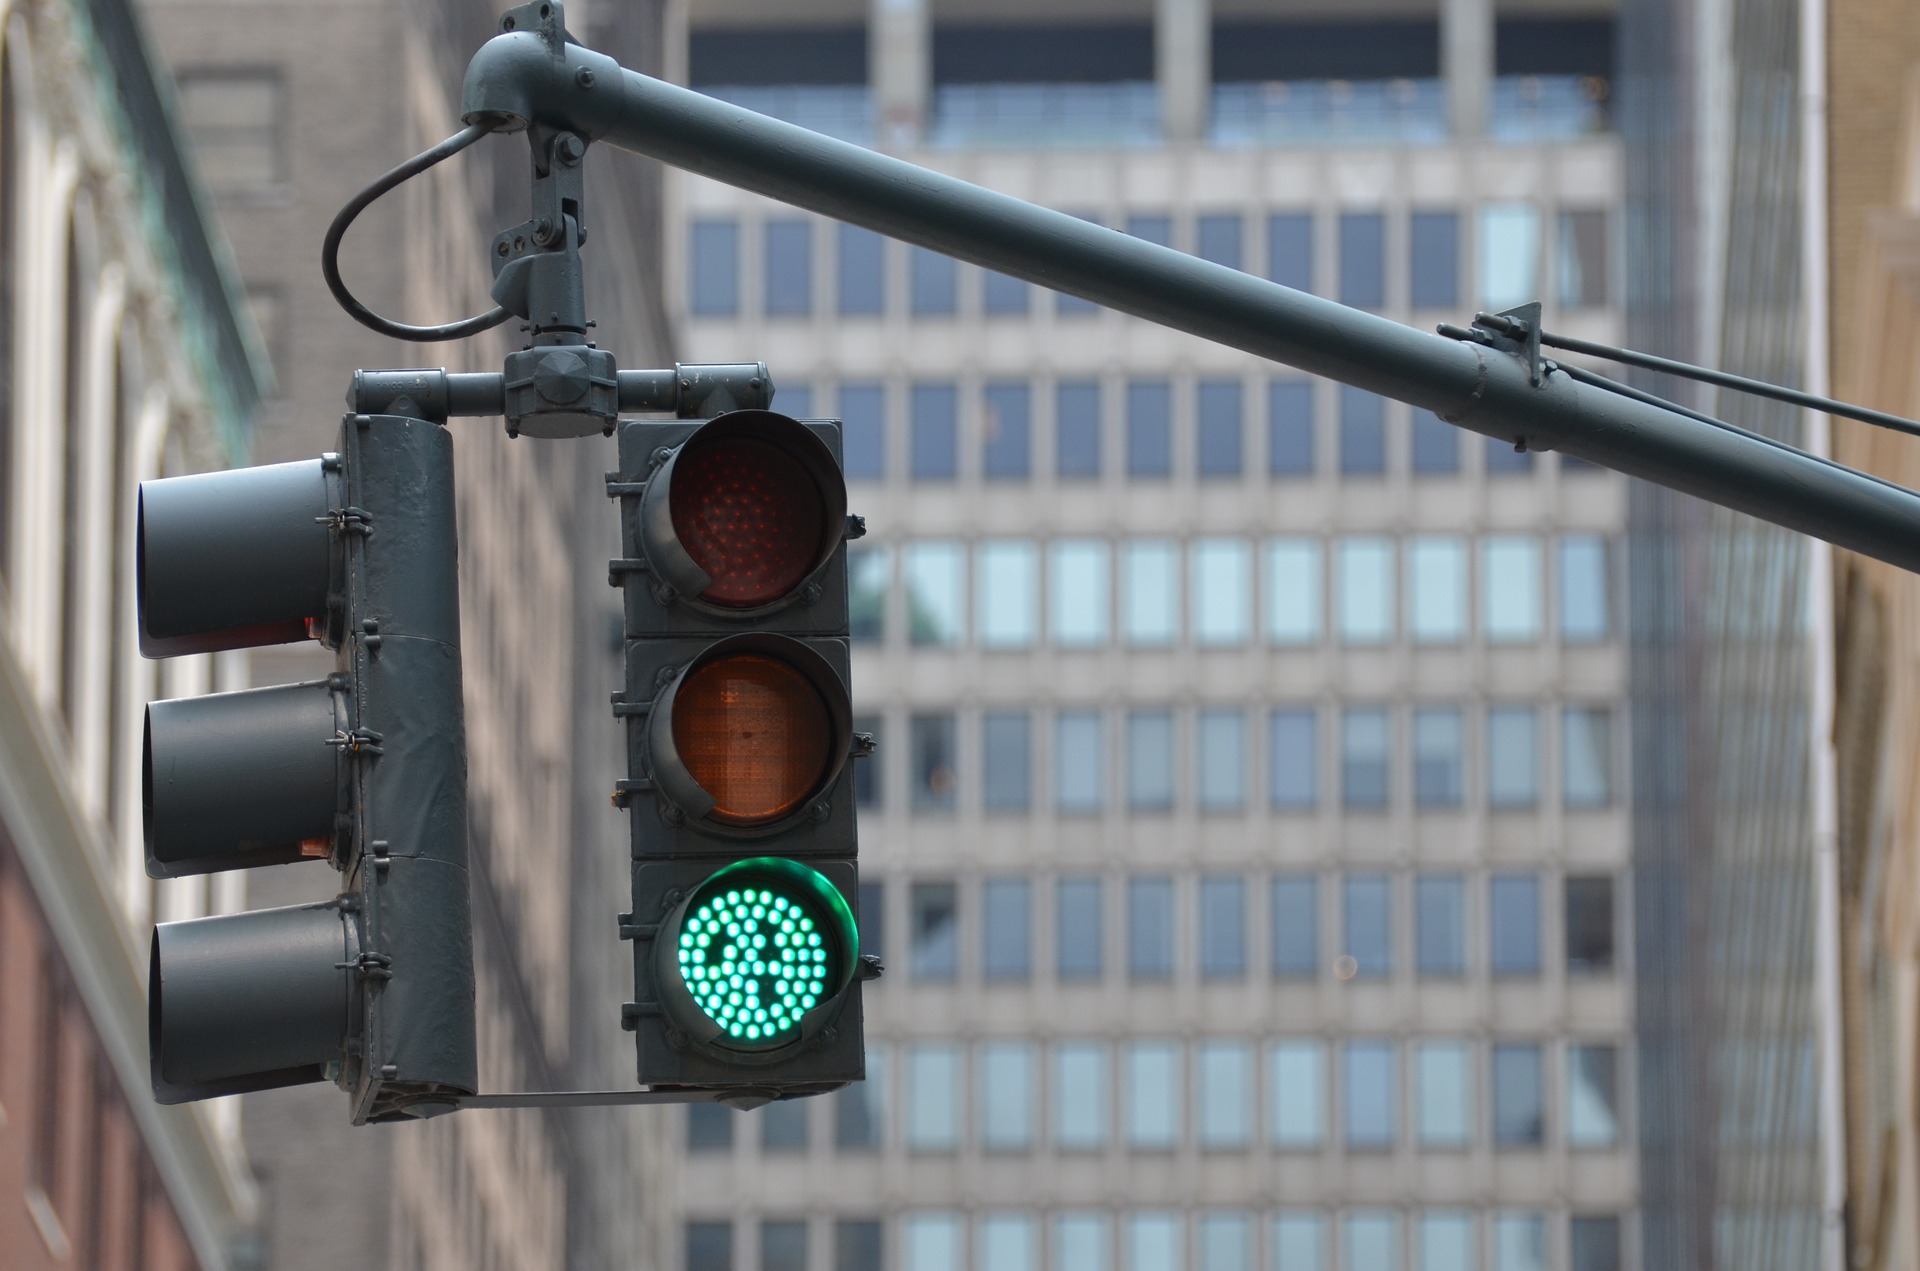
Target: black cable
x=330 y=249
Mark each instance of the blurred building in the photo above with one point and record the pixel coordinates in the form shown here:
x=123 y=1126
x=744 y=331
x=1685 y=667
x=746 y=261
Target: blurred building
x=124 y=355
x=1250 y=835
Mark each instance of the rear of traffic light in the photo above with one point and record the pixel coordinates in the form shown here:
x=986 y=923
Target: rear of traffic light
x=365 y=769
x=747 y=963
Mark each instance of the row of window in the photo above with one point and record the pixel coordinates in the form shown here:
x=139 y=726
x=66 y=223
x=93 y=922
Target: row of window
x=1444 y=1094
x=1372 y=259
x=1438 y=925
x=1147 y=428
x=1221 y=592
x=1155 y=760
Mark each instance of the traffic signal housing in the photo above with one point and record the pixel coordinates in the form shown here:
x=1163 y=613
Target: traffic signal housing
x=747 y=960
x=365 y=769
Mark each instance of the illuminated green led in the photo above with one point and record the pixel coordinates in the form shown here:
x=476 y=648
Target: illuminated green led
x=753 y=961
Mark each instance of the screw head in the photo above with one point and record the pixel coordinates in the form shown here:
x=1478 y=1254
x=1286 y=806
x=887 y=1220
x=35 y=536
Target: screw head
x=584 y=78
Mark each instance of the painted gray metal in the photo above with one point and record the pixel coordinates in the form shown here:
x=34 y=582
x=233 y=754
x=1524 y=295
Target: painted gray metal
x=530 y=75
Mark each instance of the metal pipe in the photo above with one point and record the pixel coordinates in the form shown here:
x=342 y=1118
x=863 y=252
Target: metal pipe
x=520 y=76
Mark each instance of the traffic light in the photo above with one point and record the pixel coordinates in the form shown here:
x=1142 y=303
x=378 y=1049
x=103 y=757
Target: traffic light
x=365 y=769
x=747 y=961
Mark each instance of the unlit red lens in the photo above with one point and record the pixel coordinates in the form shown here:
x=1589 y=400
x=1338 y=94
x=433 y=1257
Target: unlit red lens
x=755 y=734
x=751 y=517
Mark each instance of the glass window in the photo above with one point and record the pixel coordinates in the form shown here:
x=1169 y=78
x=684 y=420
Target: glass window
x=1223 y=928
x=1437 y=589
x=1079 y=574
x=1153 y=1242
x=1076 y=429
x=1367 y=923
x=1218 y=239
x=1155 y=229
x=1293 y=590
x=1008 y=1242
x=1004 y=295
x=1080 y=1242
x=1586 y=756
x=1440 y=924
x=1006 y=761
x=934 y=779
x=860 y=1109
x=1365 y=758
x=1373 y=1240
x=1226 y=1242
x=783 y=1126
x=1296 y=926
x=1079 y=1096
x=710 y=1127
x=1007 y=928
x=1078 y=762
x=1434 y=260
x=935 y=436
x=1443 y=1088
x=1513 y=762
x=1080 y=948
x=1363 y=586
x=713 y=269
x=1594 y=1241
x=1224 y=1086
x=1150 y=760
x=869 y=571
x=1150 y=928
x=1300 y=1243
x=1513 y=923
x=1008 y=600
x=863 y=423
x=933 y=283
x=935 y=592
x=789 y=266
x=1153 y=1094
x=1583 y=588
x=709 y=1246
x=1006 y=1096
x=1593 y=1096
x=1223 y=760
x=1510 y=588
x=1293 y=776
x=783 y=1245
x=1363 y=432
x=1519 y=1114
x=1219 y=437
x=1150 y=595
x=1290 y=250
x=1222 y=591
x=1590 y=925
x=1297 y=1098
x=1582 y=258
x=1519 y=1242
x=856 y=1245
x=933 y=1098
x=1149 y=428
x=862 y=271
x=237 y=123
x=1439 y=763
x=936 y=931
x=869 y=788
x=1504 y=459
x=1509 y=255
x=1006 y=426
x=795 y=400
x=1363 y=264
x=1367 y=1083
x=931 y=1242
x=1446 y=1243
x=1290 y=428
x=1436 y=445
x=872 y=917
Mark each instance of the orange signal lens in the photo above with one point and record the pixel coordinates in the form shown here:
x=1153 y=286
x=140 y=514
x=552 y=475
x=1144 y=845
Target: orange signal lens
x=755 y=734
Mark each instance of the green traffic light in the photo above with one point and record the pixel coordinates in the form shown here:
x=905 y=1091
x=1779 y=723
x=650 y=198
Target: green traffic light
x=760 y=946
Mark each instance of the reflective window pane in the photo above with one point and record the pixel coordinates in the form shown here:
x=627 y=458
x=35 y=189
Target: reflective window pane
x=1519 y=1242
x=1223 y=928
x=1080 y=1242
x=1434 y=260
x=1367 y=923
x=1444 y=1242
x=1581 y=259
x=1155 y=229
x=1589 y=925
x=1079 y=582
x=1150 y=760
x=1222 y=760
x=1150 y=928
x=1006 y=928
x=1440 y=924
x=1006 y=1095
x=933 y=283
x=1224 y=1093
x=857 y=1245
x=1367 y=1083
x=1149 y=428
x=1077 y=429
x=933 y=1098
x=1509 y=251
x=789 y=267
x=1594 y=1241
x=1007 y=1242
x=1290 y=250
x=1436 y=445
x=1297 y=1093
x=931 y=1242
x=1150 y=591
x=783 y=1245
x=1296 y=926
x=1593 y=1096
x=1293 y=758
x=863 y=423
x=1519 y=1114
x=709 y=1246
x=935 y=592
x=935 y=914
x=1363 y=432
x=1153 y=1094
x=1513 y=924
x=1502 y=459
x=934 y=777
x=934 y=432
x=869 y=573
x=1365 y=758
x=1586 y=756
x=1079 y=763
x=713 y=269
x=1363 y=589
x=1363 y=260
x=1513 y=756
x=710 y=1127
x=1510 y=588
x=1080 y=1096
x=1218 y=239
x=1006 y=761
x=783 y=1126
x=795 y=400
x=861 y=271
x=1077 y=928
x=1300 y=1243
x=860 y=1109
x=1006 y=431
x=1226 y=1242
x=1219 y=435
x=1003 y=295
x=1372 y=1238
x=1007 y=599
x=1583 y=588
x=1292 y=582
x=1153 y=1242
x=1290 y=428
x=1443 y=1091
x=1222 y=591
x=1437 y=589
x=1439 y=759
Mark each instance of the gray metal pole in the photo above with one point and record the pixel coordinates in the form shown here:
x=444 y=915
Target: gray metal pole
x=521 y=76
